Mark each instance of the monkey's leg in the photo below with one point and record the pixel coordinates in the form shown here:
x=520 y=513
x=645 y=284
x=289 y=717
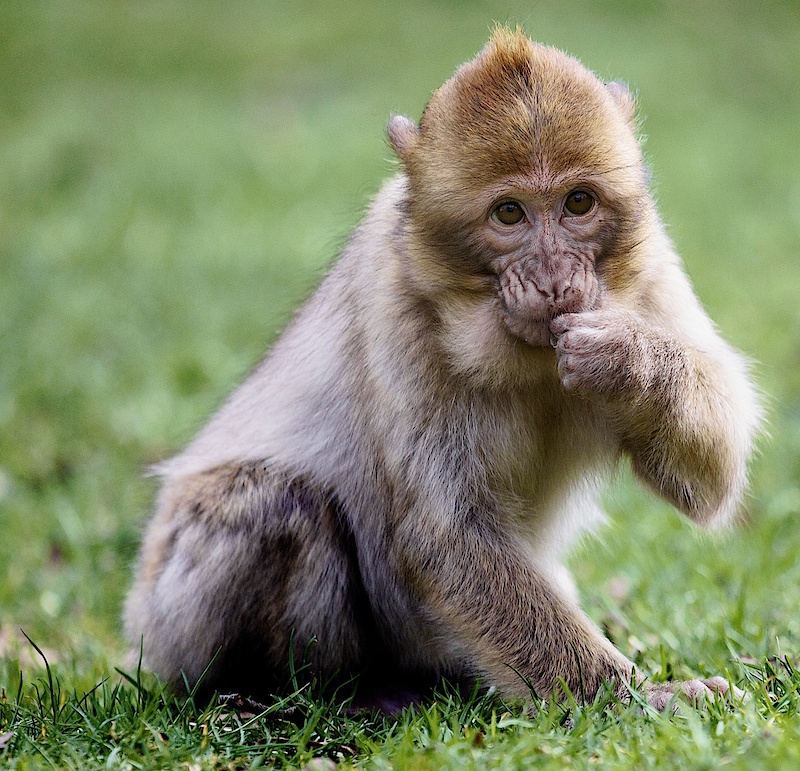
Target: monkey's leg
x=238 y=564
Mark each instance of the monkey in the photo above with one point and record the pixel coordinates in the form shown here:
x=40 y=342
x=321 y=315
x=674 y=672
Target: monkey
x=389 y=496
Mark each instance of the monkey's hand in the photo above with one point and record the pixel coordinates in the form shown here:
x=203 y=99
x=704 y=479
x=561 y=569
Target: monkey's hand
x=696 y=692
x=611 y=353
x=668 y=404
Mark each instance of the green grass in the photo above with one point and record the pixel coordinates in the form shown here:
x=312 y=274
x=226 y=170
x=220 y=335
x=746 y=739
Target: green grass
x=173 y=180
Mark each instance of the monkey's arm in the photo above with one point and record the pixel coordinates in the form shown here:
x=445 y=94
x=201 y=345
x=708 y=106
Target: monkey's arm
x=683 y=406
x=478 y=584
x=510 y=622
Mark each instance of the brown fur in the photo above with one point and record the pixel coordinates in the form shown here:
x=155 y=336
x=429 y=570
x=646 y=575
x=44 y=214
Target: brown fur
x=400 y=477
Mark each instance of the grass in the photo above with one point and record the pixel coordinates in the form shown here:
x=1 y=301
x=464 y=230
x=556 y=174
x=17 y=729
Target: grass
x=174 y=182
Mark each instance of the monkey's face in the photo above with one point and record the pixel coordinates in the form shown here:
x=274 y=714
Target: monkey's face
x=543 y=243
x=526 y=180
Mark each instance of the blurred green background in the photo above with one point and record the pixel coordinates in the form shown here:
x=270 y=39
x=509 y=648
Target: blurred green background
x=174 y=178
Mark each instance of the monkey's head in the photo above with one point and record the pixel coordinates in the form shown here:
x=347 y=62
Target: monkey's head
x=525 y=179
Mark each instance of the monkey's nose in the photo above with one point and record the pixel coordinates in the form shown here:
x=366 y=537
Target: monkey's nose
x=560 y=290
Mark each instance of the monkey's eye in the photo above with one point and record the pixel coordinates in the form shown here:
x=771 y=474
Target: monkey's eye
x=508 y=213
x=578 y=203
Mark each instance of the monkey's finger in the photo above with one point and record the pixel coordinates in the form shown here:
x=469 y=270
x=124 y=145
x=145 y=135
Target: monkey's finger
x=561 y=323
x=696 y=692
x=569 y=372
x=722 y=686
x=660 y=696
x=581 y=339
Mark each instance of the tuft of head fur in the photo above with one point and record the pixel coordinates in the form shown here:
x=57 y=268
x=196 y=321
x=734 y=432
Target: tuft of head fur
x=518 y=108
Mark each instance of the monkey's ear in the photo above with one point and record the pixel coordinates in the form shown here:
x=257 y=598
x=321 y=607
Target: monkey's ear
x=624 y=99
x=403 y=134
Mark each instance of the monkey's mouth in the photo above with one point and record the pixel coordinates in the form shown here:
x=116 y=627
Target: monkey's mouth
x=525 y=313
x=529 y=304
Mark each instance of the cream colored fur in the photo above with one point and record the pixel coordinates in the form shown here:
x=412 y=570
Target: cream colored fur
x=402 y=475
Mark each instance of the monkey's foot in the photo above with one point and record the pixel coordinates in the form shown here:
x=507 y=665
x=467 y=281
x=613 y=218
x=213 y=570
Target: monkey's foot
x=242 y=703
x=390 y=702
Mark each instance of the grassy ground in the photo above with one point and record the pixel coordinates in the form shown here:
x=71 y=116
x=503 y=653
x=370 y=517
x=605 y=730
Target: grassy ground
x=174 y=177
